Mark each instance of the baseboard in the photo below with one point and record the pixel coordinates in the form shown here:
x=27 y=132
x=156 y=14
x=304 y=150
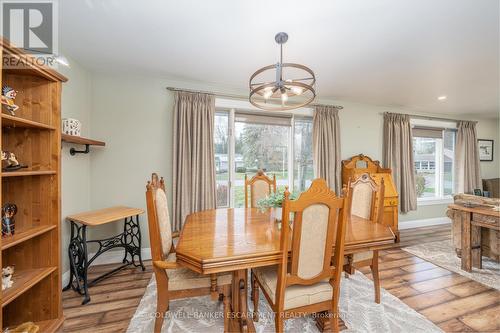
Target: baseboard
x=423 y=223
x=111 y=257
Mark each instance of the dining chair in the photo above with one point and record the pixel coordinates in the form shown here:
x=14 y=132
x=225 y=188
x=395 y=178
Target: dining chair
x=310 y=282
x=260 y=186
x=368 y=203
x=172 y=280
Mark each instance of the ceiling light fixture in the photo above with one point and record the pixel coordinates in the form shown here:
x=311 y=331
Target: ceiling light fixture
x=442 y=98
x=273 y=92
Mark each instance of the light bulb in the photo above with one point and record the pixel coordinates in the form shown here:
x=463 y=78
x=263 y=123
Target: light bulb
x=268 y=93
x=297 y=90
x=284 y=97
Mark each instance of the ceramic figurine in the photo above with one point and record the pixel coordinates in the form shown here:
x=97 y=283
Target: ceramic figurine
x=12 y=161
x=8 y=98
x=7 y=273
x=8 y=220
x=71 y=126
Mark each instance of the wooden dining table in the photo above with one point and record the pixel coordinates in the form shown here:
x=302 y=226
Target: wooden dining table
x=237 y=239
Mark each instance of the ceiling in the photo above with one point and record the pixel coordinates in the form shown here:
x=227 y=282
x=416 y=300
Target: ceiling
x=384 y=52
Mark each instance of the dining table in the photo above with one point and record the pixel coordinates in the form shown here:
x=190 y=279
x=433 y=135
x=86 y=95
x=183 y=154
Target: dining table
x=237 y=239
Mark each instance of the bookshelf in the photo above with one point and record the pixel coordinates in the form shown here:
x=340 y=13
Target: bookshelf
x=34 y=136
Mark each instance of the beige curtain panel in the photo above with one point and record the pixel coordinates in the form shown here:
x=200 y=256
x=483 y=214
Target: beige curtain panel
x=467 y=169
x=398 y=155
x=194 y=165
x=326 y=145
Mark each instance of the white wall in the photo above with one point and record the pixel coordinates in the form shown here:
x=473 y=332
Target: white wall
x=75 y=175
x=134 y=117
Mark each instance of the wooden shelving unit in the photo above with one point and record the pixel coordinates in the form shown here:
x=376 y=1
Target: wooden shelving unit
x=25 y=280
x=12 y=121
x=28 y=173
x=24 y=235
x=34 y=136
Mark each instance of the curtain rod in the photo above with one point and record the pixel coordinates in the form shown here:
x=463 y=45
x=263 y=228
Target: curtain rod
x=432 y=118
x=230 y=96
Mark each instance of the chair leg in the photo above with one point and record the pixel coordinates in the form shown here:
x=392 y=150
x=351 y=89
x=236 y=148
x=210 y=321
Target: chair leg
x=376 y=278
x=278 y=322
x=252 y=277
x=334 y=321
x=255 y=298
x=227 y=308
x=162 y=301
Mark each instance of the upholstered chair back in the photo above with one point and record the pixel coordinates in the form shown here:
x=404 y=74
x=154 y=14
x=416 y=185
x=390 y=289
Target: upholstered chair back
x=160 y=227
x=260 y=187
x=319 y=222
x=313 y=234
x=365 y=193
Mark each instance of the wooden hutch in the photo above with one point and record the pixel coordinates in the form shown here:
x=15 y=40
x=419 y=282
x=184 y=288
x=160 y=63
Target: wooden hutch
x=360 y=164
x=33 y=134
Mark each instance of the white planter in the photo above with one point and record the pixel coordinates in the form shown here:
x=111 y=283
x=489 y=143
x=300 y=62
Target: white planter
x=72 y=126
x=278 y=213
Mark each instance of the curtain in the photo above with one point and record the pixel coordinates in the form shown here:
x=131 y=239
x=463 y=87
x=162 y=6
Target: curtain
x=326 y=146
x=398 y=155
x=467 y=170
x=193 y=156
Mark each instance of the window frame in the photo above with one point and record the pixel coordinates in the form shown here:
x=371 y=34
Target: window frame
x=439 y=197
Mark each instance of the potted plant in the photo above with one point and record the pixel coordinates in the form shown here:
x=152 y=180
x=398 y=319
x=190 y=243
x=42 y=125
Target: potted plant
x=274 y=201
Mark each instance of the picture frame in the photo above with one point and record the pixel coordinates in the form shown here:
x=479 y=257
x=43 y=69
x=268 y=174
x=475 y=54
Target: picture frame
x=485 y=150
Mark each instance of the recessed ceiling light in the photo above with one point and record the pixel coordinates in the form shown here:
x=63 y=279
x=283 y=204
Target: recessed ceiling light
x=442 y=98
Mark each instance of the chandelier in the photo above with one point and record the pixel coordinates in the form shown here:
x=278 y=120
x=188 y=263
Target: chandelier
x=282 y=86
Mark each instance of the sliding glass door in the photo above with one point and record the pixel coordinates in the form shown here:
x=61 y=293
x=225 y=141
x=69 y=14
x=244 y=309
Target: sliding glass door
x=246 y=142
x=303 y=172
x=261 y=142
x=221 y=142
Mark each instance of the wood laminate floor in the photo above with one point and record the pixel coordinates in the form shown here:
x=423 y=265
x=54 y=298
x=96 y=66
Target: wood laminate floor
x=453 y=302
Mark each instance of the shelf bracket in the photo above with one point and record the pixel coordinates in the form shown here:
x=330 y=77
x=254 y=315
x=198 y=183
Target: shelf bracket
x=73 y=151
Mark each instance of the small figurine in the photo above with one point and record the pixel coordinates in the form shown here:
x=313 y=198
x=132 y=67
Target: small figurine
x=8 y=98
x=7 y=273
x=12 y=161
x=8 y=222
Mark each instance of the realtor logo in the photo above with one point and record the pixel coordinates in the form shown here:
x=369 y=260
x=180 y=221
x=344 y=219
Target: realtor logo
x=30 y=25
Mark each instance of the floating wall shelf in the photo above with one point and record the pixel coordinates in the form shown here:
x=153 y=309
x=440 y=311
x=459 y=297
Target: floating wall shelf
x=81 y=141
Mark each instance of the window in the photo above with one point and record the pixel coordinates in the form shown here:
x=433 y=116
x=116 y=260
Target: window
x=303 y=172
x=221 y=149
x=245 y=142
x=433 y=151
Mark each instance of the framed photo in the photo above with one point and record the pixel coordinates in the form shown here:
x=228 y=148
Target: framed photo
x=485 y=150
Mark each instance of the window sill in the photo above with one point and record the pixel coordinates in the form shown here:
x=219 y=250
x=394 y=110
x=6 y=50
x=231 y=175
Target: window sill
x=434 y=201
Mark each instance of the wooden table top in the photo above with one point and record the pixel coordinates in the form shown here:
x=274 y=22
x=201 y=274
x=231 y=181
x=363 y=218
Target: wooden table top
x=106 y=215
x=213 y=240
x=485 y=210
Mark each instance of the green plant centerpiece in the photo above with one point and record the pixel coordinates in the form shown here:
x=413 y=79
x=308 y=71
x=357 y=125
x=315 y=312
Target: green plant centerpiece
x=274 y=201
